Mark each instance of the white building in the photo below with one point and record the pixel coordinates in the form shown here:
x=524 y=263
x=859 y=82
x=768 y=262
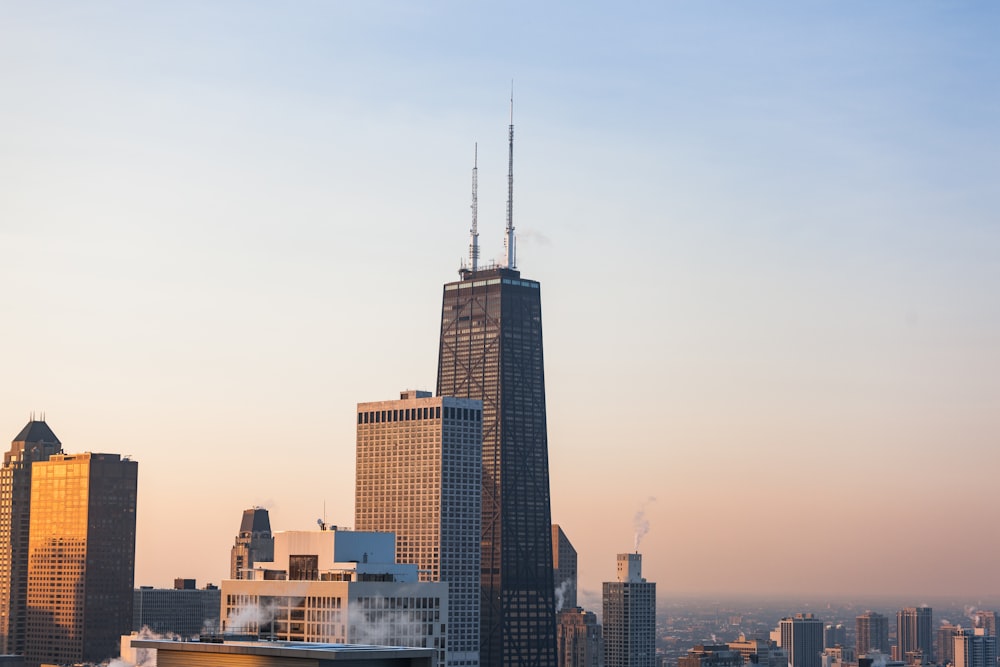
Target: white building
x=629 y=616
x=337 y=586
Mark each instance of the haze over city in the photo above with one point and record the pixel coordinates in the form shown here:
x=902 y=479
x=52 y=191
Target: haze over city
x=766 y=236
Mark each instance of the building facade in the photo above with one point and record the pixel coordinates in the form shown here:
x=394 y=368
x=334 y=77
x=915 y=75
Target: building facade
x=180 y=611
x=578 y=639
x=706 y=655
x=491 y=350
x=802 y=638
x=81 y=557
x=915 y=635
x=629 y=616
x=975 y=648
x=419 y=475
x=564 y=571
x=871 y=633
x=35 y=442
x=253 y=543
x=338 y=586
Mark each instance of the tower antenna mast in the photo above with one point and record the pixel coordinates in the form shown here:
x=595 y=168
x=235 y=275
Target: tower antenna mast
x=474 y=232
x=509 y=238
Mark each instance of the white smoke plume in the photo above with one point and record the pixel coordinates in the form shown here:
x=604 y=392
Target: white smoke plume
x=144 y=657
x=561 y=595
x=641 y=522
x=392 y=628
x=251 y=618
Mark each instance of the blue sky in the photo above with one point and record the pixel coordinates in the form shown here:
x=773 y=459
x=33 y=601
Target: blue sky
x=767 y=236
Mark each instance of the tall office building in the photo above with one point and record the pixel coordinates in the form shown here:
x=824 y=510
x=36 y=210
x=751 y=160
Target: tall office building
x=986 y=620
x=629 y=616
x=871 y=633
x=975 y=648
x=944 y=648
x=834 y=634
x=578 y=639
x=563 y=568
x=81 y=557
x=35 y=442
x=802 y=638
x=914 y=635
x=419 y=475
x=253 y=543
x=491 y=350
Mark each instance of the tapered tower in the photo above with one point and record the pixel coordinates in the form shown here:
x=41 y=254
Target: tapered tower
x=491 y=350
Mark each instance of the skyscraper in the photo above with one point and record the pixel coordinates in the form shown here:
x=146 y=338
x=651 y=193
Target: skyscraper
x=872 y=633
x=564 y=568
x=35 y=442
x=253 y=543
x=578 y=638
x=802 y=639
x=81 y=557
x=419 y=471
x=629 y=616
x=491 y=350
x=914 y=635
x=975 y=648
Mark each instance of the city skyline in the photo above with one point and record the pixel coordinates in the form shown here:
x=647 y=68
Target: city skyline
x=767 y=238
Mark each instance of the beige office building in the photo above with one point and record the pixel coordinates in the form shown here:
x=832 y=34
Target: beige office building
x=81 y=557
x=419 y=475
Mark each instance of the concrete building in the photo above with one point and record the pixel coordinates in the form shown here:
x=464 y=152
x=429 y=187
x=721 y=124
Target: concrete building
x=802 y=638
x=270 y=654
x=182 y=611
x=914 y=635
x=629 y=616
x=975 y=648
x=986 y=620
x=871 y=633
x=563 y=569
x=704 y=655
x=759 y=651
x=944 y=643
x=81 y=557
x=578 y=639
x=35 y=442
x=253 y=543
x=338 y=586
x=834 y=634
x=419 y=475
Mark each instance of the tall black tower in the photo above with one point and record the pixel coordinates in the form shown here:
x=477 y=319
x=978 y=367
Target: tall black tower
x=491 y=350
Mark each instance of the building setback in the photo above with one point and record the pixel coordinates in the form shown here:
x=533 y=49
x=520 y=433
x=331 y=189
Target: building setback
x=35 y=442
x=419 y=475
x=629 y=616
x=81 y=557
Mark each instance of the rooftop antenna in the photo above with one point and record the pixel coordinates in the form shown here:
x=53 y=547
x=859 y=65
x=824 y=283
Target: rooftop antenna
x=474 y=232
x=508 y=241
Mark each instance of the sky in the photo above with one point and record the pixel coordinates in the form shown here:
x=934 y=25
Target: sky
x=767 y=235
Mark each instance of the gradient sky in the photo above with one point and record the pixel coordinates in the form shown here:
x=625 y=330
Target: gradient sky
x=768 y=238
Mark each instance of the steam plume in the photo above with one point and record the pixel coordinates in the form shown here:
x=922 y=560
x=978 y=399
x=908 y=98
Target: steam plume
x=641 y=522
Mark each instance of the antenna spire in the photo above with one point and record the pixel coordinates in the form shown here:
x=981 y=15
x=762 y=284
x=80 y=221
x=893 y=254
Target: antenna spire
x=474 y=232
x=509 y=238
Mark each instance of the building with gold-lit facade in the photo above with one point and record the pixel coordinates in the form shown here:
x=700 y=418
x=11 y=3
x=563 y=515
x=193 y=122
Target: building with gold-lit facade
x=35 y=442
x=81 y=557
x=419 y=476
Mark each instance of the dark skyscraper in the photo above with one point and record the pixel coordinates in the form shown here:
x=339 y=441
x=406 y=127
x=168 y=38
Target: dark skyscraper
x=491 y=350
x=35 y=442
x=253 y=543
